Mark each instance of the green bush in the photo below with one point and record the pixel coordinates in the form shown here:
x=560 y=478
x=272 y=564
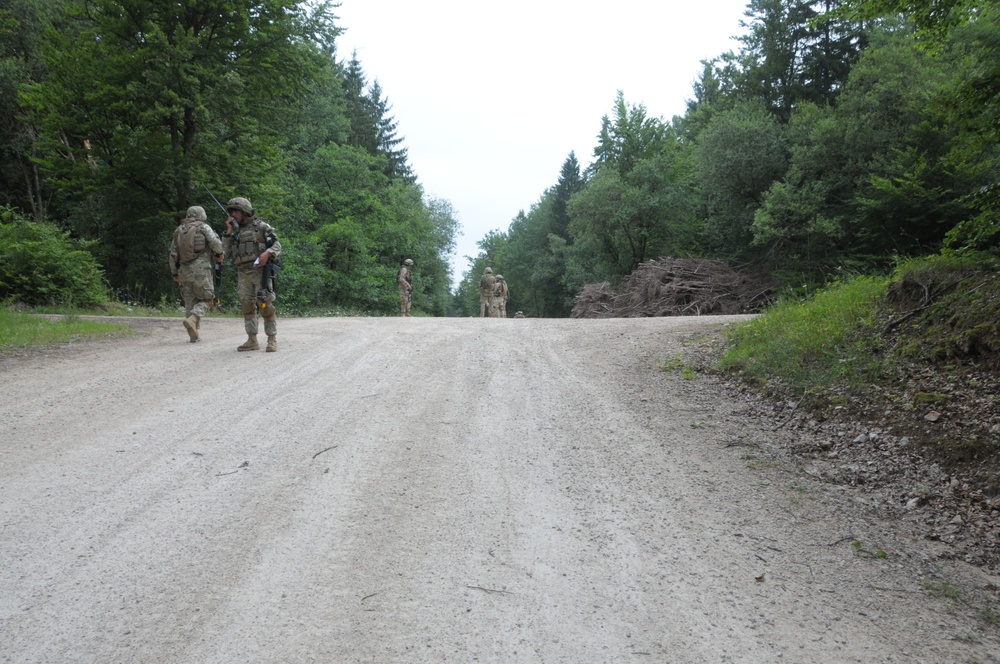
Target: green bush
x=40 y=264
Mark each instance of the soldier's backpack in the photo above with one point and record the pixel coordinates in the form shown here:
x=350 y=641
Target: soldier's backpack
x=190 y=242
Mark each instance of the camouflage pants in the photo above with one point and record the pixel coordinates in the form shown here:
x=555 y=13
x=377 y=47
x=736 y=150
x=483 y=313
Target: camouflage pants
x=247 y=286
x=196 y=289
x=405 y=299
x=487 y=305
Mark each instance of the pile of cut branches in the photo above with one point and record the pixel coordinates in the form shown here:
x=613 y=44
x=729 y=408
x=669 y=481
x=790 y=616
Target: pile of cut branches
x=675 y=287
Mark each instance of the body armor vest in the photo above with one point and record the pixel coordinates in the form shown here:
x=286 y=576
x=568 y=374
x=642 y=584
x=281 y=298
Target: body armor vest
x=190 y=241
x=248 y=244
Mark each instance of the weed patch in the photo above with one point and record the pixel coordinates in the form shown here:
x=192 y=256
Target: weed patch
x=20 y=330
x=810 y=344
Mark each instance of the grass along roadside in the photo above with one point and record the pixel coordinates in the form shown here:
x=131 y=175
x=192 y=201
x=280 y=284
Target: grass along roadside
x=890 y=386
x=811 y=344
x=938 y=311
x=20 y=330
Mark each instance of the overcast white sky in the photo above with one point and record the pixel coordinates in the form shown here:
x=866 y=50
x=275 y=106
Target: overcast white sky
x=491 y=98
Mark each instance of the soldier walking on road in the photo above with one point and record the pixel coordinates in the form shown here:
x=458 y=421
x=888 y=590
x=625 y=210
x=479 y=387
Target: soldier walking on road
x=192 y=249
x=253 y=245
x=404 y=279
x=501 y=294
x=486 y=285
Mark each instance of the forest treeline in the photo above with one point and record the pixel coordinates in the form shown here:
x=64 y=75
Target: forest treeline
x=840 y=138
x=116 y=116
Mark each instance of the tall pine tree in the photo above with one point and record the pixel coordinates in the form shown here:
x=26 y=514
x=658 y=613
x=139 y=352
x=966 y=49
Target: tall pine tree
x=796 y=51
x=372 y=127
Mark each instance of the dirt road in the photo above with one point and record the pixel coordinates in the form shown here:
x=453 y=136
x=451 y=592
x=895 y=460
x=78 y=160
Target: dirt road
x=433 y=490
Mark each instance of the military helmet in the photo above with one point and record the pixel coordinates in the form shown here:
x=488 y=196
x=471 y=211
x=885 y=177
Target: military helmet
x=488 y=270
x=197 y=213
x=408 y=261
x=242 y=204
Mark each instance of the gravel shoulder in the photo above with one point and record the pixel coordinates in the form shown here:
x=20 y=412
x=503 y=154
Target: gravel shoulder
x=418 y=490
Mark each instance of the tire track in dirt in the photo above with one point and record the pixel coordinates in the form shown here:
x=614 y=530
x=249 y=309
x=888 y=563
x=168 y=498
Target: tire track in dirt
x=412 y=490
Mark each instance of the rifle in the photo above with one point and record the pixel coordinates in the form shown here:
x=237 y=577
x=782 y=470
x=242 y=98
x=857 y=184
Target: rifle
x=217 y=268
x=267 y=281
x=268 y=275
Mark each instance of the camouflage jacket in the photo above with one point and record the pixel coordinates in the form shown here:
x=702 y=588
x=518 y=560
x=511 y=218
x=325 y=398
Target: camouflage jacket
x=404 y=278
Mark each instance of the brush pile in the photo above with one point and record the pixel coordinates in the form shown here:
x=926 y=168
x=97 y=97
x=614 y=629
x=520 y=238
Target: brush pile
x=675 y=287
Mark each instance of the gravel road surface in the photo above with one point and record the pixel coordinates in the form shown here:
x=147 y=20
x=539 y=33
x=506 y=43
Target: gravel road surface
x=434 y=490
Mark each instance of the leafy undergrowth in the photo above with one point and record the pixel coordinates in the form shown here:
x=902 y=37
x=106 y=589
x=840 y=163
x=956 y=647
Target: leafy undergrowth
x=899 y=397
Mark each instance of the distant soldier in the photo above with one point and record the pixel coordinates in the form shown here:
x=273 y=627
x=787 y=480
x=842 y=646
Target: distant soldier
x=500 y=296
x=486 y=285
x=404 y=279
x=192 y=250
x=253 y=245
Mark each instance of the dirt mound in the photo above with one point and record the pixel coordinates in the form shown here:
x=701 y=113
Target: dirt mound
x=945 y=310
x=675 y=287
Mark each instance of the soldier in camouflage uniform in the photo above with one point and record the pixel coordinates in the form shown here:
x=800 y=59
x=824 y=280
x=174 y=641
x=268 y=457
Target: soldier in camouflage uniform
x=192 y=249
x=486 y=285
x=500 y=296
x=404 y=279
x=252 y=243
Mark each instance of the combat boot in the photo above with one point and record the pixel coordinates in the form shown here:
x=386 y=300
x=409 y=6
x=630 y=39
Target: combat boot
x=249 y=344
x=272 y=343
x=191 y=325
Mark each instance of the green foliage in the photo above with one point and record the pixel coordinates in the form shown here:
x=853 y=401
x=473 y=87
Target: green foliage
x=971 y=104
x=793 y=55
x=871 y=178
x=934 y=18
x=138 y=106
x=364 y=224
x=672 y=363
x=627 y=137
x=639 y=214
x=740 y=153
x=966 y=33
x=813 y=343
x=118 y=113
x=940 y=310
x=22 y=26
x=534 y=257
x=859 y=550
x=371 y=126
x=637 y=203
x=40 y=264
x=829 y=144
